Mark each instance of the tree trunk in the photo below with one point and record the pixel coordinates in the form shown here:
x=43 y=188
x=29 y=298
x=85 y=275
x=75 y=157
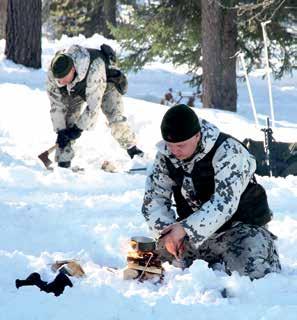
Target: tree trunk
x=219 y=34
x=229 y=86
x=23 y=32
x=110 y=9
x=3 y=14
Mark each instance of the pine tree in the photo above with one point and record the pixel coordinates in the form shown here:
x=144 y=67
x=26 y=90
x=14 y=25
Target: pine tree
x=70 y=17
x=74 y=17
x=179 y=31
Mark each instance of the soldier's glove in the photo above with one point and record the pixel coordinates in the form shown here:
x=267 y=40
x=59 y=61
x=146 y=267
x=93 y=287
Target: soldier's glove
x=74 y=132
x=134 y=151
x=58 y=285
x=33 y=280
x=66 y=135
x=62 y=138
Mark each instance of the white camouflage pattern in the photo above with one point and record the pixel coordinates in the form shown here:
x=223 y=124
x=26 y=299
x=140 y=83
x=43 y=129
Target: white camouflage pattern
x=66 y=110
x=234 y=167
x=250 y=250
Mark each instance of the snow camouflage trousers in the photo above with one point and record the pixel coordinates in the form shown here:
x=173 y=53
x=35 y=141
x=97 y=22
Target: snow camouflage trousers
x=112 y=107
x=248 y=249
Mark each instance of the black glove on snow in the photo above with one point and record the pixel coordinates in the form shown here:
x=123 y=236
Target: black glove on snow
x=134 y=151
x=66 y=135
x=56 y=287
x=32 y=280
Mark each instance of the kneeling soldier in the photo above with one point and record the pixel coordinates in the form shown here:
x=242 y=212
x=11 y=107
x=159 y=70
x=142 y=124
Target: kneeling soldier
x=221 y=209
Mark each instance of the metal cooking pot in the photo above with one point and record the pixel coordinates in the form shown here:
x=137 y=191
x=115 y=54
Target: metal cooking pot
x=143 y=244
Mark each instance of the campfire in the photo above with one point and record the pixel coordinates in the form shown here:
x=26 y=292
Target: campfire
x=143 y=262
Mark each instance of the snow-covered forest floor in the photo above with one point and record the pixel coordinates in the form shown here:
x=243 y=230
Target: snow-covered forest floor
x=47 y=216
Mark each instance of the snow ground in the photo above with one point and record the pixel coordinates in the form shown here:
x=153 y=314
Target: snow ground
x=47 y=216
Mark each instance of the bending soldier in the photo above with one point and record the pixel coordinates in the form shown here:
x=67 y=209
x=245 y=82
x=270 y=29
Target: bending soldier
x=80 y=81
x=221 y=211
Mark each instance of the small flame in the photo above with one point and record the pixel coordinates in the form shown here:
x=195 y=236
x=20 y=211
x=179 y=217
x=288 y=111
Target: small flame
x=134 y=254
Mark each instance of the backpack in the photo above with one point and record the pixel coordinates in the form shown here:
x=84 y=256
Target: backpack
x=114 y=75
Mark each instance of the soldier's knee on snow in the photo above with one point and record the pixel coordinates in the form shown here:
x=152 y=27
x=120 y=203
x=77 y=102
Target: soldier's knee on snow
x=253 y=253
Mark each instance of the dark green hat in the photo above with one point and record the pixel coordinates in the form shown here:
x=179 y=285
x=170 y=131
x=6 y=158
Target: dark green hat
x=179 y=123
x=61 y=65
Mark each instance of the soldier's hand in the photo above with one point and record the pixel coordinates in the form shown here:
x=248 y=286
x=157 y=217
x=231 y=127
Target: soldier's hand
x=74 y=132
x=134 y=151
x=62 y=138
x=66 y=135
x=173 y=239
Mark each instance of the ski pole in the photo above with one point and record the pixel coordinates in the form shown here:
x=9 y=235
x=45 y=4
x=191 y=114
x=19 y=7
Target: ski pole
x=265 y=38
x=240 y=54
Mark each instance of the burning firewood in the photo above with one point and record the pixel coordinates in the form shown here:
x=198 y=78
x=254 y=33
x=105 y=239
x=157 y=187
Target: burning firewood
x=143 y=261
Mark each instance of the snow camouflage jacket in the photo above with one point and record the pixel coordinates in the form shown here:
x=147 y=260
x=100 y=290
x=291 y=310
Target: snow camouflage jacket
x=97 y=93
x=96 y=85
x=233 y=167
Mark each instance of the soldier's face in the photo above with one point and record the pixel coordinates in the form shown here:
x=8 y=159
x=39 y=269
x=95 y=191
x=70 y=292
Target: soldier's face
x=184 y=149
x=68 y=78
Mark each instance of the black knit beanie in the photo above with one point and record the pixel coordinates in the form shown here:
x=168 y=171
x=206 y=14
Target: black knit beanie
x=179 y=123
x=61 y=65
